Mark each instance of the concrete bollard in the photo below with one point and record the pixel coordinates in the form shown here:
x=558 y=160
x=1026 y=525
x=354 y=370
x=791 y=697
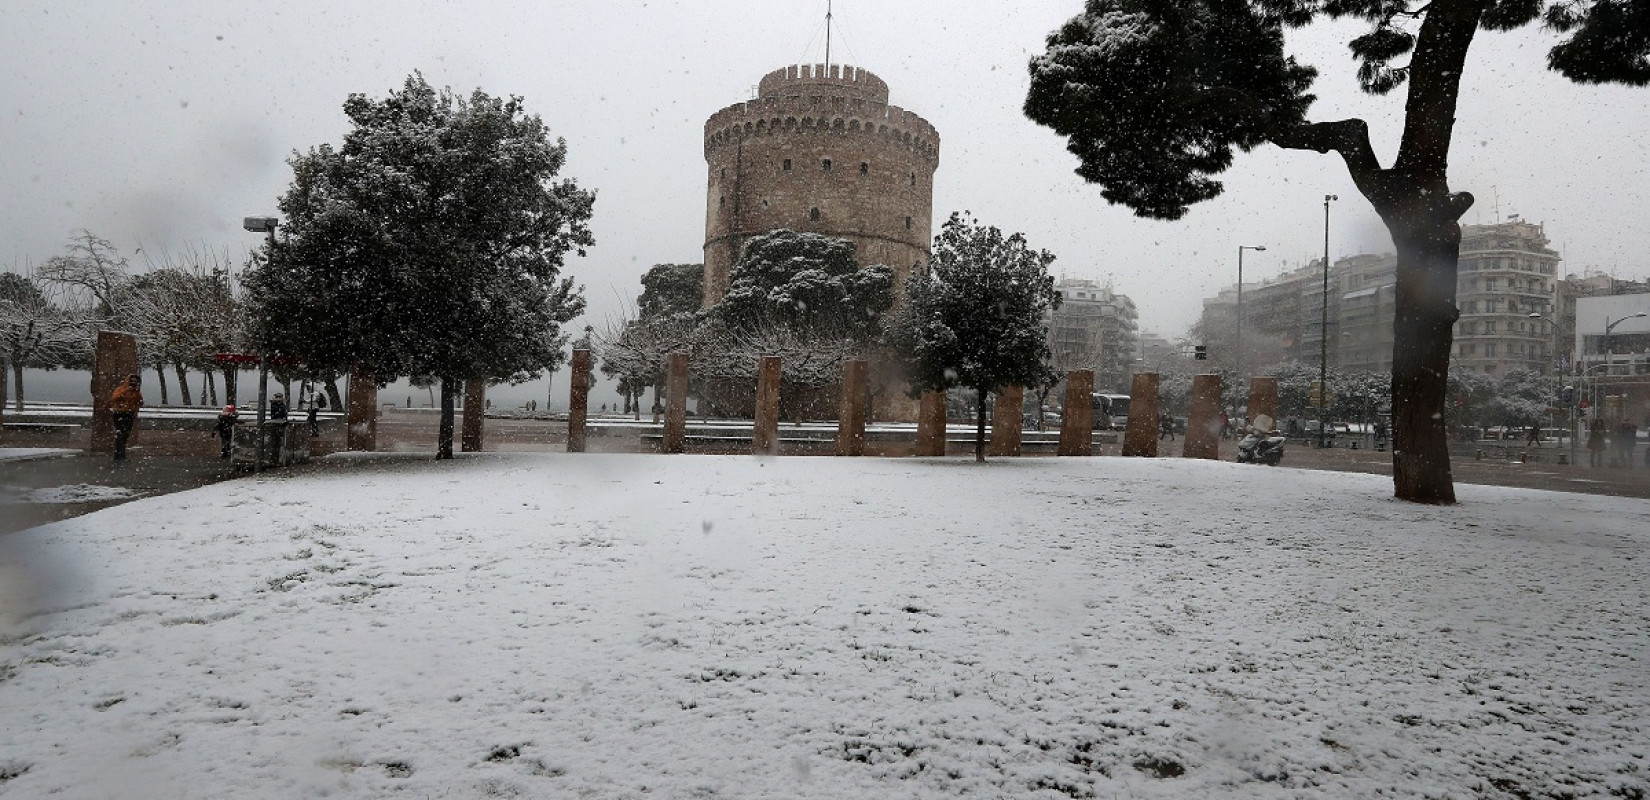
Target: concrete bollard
x=361 y=428
x=1077 y=418
x=850 y=417
x=475 y=415
x=578 y=401
x=1005 y=421
x=765 y=433
x=114 y=359
x=675 y=440
x=930 y=425
x=1203 y=427
x=1263 y=399
x=1140 y=436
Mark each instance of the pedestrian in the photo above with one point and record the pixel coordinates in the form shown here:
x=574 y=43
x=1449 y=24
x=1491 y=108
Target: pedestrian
x=1595 y=443
x=314 y=412
x=1225 y=426
x=123 y=406
x=277 y=407
x=226 y=430
x=1627 y=435
x=1533 y=438
x=1165 y=427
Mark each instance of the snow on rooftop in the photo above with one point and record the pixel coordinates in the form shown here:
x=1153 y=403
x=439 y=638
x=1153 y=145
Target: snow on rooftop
x=543 y=625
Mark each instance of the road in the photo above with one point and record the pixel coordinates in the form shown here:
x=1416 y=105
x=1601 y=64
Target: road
x=169 y=461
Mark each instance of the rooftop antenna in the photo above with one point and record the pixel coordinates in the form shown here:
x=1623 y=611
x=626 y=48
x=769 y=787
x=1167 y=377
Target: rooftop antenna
x=828 y=37
x=1497 y=191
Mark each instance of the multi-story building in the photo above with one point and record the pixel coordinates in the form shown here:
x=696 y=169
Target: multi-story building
x=1095 y=328
x=1505 y=288
x=1612 y=346
x=1506 y=274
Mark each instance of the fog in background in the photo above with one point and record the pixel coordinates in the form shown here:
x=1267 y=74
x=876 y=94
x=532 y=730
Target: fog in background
x=160 y=127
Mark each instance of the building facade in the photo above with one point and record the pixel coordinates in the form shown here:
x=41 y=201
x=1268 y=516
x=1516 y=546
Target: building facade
x=819 y=149
x=1506 y=274
x=1095 y=328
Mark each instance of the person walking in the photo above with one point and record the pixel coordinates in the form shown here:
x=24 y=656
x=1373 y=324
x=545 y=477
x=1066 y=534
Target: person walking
x=277 y=407
x=1595 y=443
x=123 y=406
x=1533 y=438
x=312 y=416
x=1165 y=427
x=1627 y=435
x=226 y=430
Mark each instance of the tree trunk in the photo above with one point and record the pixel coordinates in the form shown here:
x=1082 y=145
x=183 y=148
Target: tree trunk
x=335 y=399
x=444 y=436
x=5 y=366
x=183 y=383
x=231 y=384
x=211 y=389
x=979 y=425
x=1423 y=334
x=160 y=372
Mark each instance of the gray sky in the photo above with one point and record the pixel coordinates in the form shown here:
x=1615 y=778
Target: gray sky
x=161 y=125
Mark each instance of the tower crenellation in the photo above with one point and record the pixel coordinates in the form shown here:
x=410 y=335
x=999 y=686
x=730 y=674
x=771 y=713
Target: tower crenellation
x=819 y=149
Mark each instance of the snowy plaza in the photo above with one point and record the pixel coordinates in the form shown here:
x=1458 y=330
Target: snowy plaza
x=545 y=625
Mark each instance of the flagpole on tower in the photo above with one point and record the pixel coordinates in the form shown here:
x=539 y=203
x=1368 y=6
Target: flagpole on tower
x=828 y=37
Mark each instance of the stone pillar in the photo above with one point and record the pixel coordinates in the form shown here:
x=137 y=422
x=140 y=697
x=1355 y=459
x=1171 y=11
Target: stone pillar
x=475 y=415
x=1140 y=436
x=1077 y=418
x=361 y=422
x=1005 y=421
x=578 y=401
x=1203 y=425
x=930 y=425
x=1263 y=399
x=850 y=415
x=676 y=405
x=765 y=433
x=114 y=359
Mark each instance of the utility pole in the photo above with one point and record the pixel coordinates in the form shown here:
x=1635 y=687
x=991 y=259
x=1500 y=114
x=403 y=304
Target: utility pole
x=1323 y=332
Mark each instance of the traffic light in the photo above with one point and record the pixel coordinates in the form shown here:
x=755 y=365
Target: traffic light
x=1200 y=352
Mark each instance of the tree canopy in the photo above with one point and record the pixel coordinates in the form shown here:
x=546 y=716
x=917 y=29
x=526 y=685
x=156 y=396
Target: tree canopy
x=806 y=281
x=430 y=242
x=974 y=318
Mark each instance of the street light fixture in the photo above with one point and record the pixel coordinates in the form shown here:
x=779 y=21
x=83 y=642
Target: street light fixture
x=1323 y=331
x=261 y=225
x=1241 y=248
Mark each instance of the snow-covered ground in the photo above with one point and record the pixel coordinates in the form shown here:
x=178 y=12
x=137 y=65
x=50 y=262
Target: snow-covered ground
x=543 y=625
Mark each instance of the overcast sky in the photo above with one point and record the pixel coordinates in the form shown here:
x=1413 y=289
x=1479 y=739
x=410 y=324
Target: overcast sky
x=161 y=125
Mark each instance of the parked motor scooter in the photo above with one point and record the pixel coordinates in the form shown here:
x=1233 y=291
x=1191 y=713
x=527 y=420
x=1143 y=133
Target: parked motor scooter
x=1260 y=447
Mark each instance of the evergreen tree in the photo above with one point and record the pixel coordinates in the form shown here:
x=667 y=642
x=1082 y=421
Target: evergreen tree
x=430 y=242
x=806 y=282
x=975 y=317
x=671 y=289
x=1153 y=96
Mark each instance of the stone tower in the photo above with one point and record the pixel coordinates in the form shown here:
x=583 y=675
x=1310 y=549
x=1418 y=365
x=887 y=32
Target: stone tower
x=819 y=149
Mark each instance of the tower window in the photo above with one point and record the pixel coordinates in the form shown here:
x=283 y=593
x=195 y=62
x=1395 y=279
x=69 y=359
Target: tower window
x=724 y=175
x=908 y=223
x=864 y=168
x=913 y=179
x=813 y=214
x=787 y=165
x=825 y=165
x=721 y=201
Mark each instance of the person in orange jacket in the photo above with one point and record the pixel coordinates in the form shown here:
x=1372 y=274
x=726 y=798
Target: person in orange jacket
x=124 y=405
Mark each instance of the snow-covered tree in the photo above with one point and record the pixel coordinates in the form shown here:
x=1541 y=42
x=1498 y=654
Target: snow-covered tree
x=806 y=281
x=431 y=242
x=34 y=332
x=1153 y=96
x=974 y=318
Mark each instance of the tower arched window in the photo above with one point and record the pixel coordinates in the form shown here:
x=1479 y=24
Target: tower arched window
x=813 y=214
x=825 y=165
x=787 y=165
x=864 y=168
x=908 y=223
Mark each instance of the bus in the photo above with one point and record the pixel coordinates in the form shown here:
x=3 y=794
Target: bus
x=1111 y=411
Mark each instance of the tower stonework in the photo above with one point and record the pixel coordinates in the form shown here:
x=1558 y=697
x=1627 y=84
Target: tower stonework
x=820 y=150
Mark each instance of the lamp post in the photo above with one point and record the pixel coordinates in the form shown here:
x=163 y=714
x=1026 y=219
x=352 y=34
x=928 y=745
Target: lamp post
x=1323 y=330
x=1558 y=392
x=1241 y=248
x=261 y=225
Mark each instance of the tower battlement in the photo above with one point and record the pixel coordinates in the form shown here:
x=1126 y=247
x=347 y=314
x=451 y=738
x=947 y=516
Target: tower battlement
x=823 y=79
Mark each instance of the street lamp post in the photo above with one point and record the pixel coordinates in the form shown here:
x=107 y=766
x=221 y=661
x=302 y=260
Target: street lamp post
x=1558 y=393
x=1323 y=330
x=262 y=225
x=1241 y=248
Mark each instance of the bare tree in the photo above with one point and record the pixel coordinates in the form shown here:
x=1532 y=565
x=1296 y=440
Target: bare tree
x=35 y=331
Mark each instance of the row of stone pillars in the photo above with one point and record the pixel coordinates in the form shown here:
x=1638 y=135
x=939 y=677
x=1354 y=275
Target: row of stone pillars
x=1202 y=438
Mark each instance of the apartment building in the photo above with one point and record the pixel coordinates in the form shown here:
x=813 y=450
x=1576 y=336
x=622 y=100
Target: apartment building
x=1095 y=328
